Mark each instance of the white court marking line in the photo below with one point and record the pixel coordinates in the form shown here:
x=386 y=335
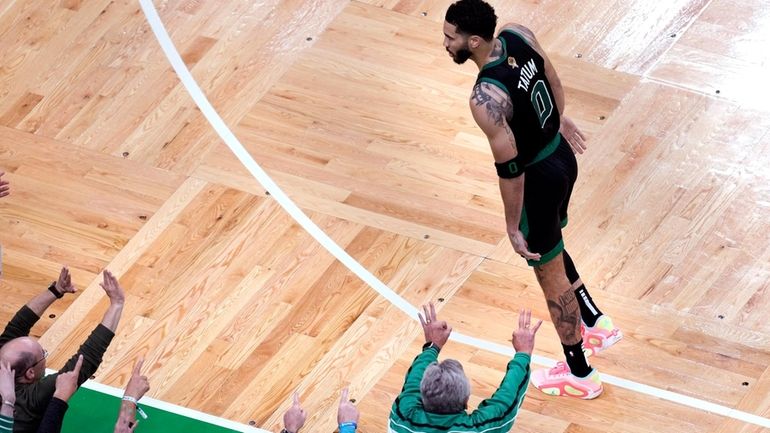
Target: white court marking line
x=169 y=407
x=292 y=209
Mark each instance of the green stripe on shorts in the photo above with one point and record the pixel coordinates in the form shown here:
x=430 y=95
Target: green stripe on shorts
x=550 y=255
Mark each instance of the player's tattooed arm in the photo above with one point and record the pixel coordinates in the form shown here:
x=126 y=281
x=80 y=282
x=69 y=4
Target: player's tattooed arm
x=496 y=103
x=492 y=108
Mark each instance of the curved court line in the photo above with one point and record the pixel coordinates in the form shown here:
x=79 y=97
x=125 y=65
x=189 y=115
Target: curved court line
x=164 y=40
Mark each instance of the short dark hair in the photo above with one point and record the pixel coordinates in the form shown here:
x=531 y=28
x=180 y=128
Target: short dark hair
x=24 y=362
x=473 y=17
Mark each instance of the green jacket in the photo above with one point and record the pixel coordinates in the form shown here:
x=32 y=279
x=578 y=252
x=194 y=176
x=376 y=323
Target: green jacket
x=494 y=415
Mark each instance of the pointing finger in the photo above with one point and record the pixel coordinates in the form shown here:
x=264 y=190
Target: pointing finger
x=138 y=366
x=78 y=364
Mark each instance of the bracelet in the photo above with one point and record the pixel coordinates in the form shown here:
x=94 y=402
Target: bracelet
x=8 y=403
x=139 y=410
x=52 y=289
x=348 y=427
x=430 y=344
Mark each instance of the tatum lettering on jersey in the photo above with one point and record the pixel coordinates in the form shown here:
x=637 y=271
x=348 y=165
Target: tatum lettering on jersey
x=527 y=72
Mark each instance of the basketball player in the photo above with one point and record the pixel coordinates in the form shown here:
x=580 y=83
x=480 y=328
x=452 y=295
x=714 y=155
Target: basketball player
x=518 y=102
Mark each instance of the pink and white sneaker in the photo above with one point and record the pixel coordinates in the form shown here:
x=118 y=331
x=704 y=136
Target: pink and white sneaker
x=560 y=381
x=600 y=336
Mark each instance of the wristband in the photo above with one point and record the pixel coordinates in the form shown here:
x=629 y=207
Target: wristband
x=428 y=345
x=139 y=410
x=348 y=427
x=52 y=289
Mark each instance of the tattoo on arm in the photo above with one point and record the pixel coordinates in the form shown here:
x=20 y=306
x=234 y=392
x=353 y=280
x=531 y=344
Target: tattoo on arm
x=498 y=107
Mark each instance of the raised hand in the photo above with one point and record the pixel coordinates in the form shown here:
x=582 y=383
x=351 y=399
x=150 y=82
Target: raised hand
x=112 y=288
x=7 y=383
x=347 y=412
x=138 y=385
x=64 y=283
x=67 y=383
x=436 y=331
x=294 y=418
x=523 y=339
x=573 y=134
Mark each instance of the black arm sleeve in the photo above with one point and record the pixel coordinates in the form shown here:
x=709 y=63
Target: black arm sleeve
x=53 y=417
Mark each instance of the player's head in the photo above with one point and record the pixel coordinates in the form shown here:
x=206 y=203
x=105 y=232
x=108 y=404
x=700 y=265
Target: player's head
x=467 y=24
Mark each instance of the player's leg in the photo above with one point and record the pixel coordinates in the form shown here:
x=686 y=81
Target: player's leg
x=545 y=188
x=575 y=377
x=598 y=331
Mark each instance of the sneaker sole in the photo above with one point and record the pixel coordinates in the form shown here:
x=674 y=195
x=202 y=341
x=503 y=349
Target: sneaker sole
x=556 y=393
x=605 y=345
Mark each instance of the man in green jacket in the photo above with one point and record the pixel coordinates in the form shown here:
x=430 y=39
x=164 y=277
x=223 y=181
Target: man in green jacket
x=435 y=395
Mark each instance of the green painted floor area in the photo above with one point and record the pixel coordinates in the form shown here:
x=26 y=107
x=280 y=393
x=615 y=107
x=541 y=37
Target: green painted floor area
x=93 y=412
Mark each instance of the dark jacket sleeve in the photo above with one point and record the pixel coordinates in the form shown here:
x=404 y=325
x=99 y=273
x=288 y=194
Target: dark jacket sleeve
x=54 y=416
x=410 y=394
x=92 y=350
x=19 y=326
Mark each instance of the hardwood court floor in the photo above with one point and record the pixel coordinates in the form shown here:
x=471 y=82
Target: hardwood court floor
x=358 y=113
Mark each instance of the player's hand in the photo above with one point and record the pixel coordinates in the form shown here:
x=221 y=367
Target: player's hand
x=520 y=246
x=523 y=339
x=436 y=331
x=573 y=134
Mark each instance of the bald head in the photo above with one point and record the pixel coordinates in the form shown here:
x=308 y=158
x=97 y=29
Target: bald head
x=27 y=358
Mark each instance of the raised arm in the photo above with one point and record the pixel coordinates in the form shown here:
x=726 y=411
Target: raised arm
x=503 y=405
x=63 y=285
x=436 y=335
x=491 y=108
x=29 y=314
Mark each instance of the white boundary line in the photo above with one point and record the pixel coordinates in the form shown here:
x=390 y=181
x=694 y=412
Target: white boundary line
x=168 y=407
x=319 y=235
